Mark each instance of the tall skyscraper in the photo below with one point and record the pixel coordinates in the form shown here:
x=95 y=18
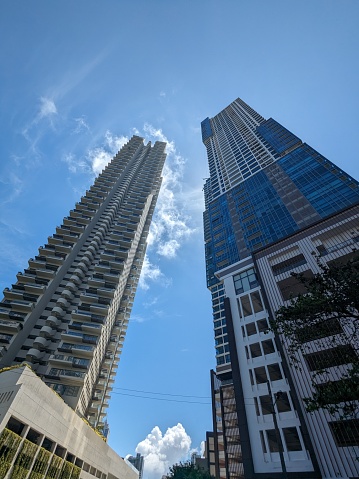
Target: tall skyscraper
x=67 y=313
x=267 y=186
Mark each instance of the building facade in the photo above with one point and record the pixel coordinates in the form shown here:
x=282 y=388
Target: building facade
x=67 y=313
x=265 y=186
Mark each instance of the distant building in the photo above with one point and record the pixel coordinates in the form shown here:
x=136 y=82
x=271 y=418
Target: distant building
x=138 y=462
x=271 y=200
x=200 y=462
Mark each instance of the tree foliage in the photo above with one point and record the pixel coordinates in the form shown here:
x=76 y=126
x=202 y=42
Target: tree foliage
x=187 y=470
x=326 y=317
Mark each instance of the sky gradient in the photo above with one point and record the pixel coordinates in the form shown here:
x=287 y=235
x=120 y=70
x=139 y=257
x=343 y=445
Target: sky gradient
x=79 y=78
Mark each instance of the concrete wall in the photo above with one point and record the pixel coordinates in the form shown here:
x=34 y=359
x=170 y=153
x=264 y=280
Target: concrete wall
x=25 y=397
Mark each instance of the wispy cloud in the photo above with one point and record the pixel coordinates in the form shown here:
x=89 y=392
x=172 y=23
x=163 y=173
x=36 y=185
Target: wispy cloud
x=47 y=108
x=95 y=160
x=13 y=186
x=81 y=125
x=44 y=118
x=136 y=318
x=76 y=165
x=163 y=450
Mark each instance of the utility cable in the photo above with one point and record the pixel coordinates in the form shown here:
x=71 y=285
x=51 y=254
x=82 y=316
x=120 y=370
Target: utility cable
x=163 y=394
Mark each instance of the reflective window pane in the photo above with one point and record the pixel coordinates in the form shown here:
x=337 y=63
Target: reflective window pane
x=292 y=440
x=257 y=302
x=255 y=350
x=274 y=372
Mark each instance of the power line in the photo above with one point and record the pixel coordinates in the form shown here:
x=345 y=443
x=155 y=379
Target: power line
x=162 y=399
x=163 y=394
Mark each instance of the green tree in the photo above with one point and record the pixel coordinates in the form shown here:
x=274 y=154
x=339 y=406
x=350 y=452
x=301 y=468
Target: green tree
x=187 y=470
x=326 y=315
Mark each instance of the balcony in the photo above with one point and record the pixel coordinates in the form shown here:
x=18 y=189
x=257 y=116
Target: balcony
x=7 y=313
x=76 y=377
x=47 y=332
x=99 y=308
x=72 y=335
x=9 y=326
x=41 y=343
x=5 y=338
x=91 y=328
x=81 y=349
x=61 y=359
x=20 y=306
x=86 y=315
x=33 y=288
x=53 y=321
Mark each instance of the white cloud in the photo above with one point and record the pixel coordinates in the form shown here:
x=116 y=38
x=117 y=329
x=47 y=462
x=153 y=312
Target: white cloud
x=163 y=450
x=151 y=272
x=169 y=248
x=100 y=157
x=47 y=107
x=115 y=143
x=170 y=225
x=148 y=272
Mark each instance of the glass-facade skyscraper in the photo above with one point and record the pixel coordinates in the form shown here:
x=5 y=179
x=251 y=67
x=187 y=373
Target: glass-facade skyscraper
x=266 y=186
x=67 y=313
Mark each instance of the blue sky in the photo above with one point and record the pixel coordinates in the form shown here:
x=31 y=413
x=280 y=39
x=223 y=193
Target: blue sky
x=77 y=78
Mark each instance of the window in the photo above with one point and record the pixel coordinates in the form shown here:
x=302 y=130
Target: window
x=257 y=302
x=292 y=287
x=80 y=363
x=274 y=372
x=320 y=330
x=245 y=281
x=331 y=357
x=251 y=329
x=292 y=440
x=346 y=433
x=334 y=392
x=256 y=406
x=260 y=374
x=268 y=347
x=246 y=305
x=272 y=440
x=288 y=264
x=262 y=325
x=266 y=404
x=255 y=350
x=264 y=447
x=282 y=402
